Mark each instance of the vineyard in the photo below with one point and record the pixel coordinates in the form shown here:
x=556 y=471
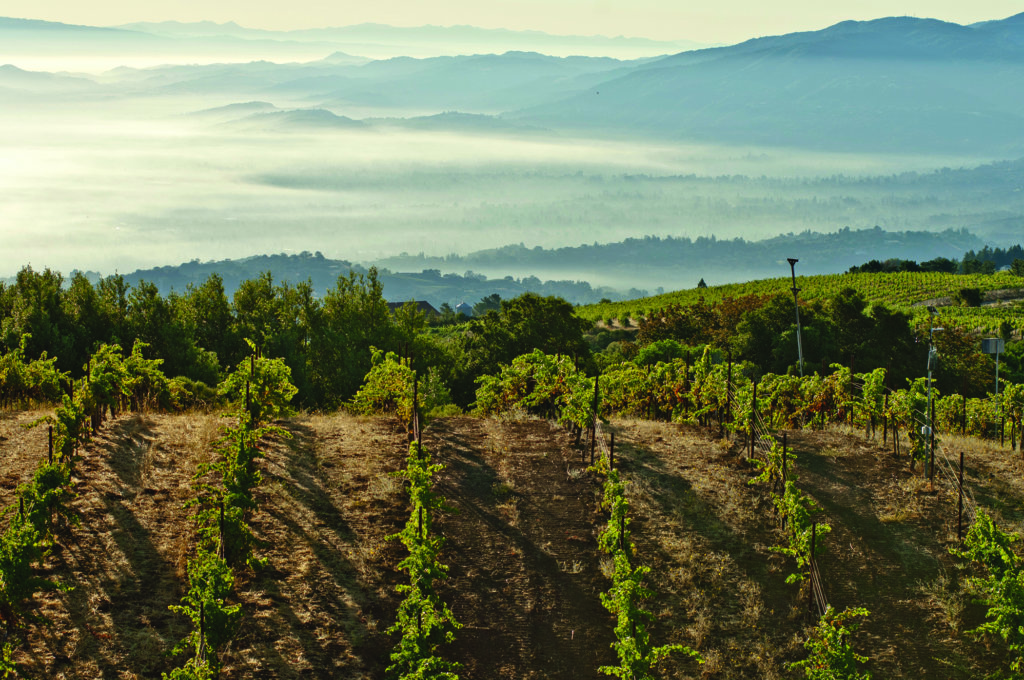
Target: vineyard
x=740 y=529
x=511 y=498
x=901 y=290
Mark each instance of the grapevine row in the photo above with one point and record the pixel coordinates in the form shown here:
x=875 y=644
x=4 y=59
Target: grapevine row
x=260 y=389
x=637 y=656
x=112 y=382
x=423 y=621
x=899 y=289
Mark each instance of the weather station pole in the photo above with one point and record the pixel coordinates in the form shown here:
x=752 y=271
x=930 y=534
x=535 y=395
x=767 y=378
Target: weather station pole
x=933 y=355
x=995 y=346
x=796 y=303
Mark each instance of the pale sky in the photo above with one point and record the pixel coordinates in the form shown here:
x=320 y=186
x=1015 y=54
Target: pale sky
x=720 y=21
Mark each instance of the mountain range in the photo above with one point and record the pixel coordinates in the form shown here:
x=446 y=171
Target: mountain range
x=175 y=41
x=900 y=84
x=896 y=84
x=362 y=157
x=514 y=269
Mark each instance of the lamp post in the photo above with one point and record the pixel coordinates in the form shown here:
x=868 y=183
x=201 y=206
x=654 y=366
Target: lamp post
x=796 y=303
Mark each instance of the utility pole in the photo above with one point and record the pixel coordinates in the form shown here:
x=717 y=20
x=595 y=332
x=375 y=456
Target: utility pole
x=796 y=303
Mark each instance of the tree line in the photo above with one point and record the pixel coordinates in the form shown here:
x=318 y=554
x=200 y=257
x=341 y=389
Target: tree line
x=328 y=340
x=985 y=261
x=843 y=328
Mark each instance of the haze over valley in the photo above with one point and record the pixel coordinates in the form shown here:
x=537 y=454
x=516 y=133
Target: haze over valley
x=339 y=142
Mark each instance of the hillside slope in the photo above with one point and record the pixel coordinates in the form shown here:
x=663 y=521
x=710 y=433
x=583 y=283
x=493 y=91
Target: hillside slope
x=525 y=573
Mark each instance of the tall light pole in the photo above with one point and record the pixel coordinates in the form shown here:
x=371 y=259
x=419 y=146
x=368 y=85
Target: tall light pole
x=796 y=303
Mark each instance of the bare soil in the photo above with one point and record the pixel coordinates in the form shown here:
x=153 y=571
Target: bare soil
x=525 y=574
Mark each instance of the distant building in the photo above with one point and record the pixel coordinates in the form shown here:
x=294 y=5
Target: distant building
x=421 y=306
x=463 y=308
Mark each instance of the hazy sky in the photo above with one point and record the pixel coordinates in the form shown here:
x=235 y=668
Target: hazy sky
x=720 y=21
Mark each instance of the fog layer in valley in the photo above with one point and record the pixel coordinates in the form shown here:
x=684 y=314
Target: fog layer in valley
x=362 y=160
x=108 y=188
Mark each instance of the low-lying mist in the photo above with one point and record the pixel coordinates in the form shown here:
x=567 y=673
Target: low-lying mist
x=115 y=182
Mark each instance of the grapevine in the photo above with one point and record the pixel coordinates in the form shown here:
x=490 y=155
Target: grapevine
x=832 y=657
x=424 y=621
x=637 y=656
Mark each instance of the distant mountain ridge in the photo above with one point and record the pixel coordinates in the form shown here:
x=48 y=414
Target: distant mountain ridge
x=891 y=85
x=652 y=261
x=369 y=32
x=637 y=264
x=322 y=273
x=901 y=84
x=231 y=41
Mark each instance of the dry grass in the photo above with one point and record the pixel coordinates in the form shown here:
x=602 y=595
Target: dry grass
x=522 y=543
x=947 y=594
x=903 y=499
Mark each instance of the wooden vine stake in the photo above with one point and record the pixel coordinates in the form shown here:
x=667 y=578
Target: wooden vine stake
x=784 y=460
x=931 y=445
x=222 y=549
x=415 y=408
x=49 y=435
x=593 y=424
x=960 y=502
x=963 y=423
x=885 y=421
x=810 y=562
x=753 y=418
x=201 y=648
x=728 y=392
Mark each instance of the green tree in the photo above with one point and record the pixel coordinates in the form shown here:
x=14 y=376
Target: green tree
x=662 y=350
x=255 y=308
x=969 y=297
x=87 y=320
x=852 y=327
x=523 y=324
x=152 y=319
x=490 y=303
x=113 y=292
x=32 y=305
x=354 y=318
x=760 y=330
x=206 y=312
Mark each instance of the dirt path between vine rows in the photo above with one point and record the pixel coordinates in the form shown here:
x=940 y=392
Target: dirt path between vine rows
x=522 y=549
x=888 y=551
x=525 y=573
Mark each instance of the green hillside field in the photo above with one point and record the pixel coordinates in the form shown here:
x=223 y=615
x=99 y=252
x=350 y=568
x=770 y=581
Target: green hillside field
x=1002 y=295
